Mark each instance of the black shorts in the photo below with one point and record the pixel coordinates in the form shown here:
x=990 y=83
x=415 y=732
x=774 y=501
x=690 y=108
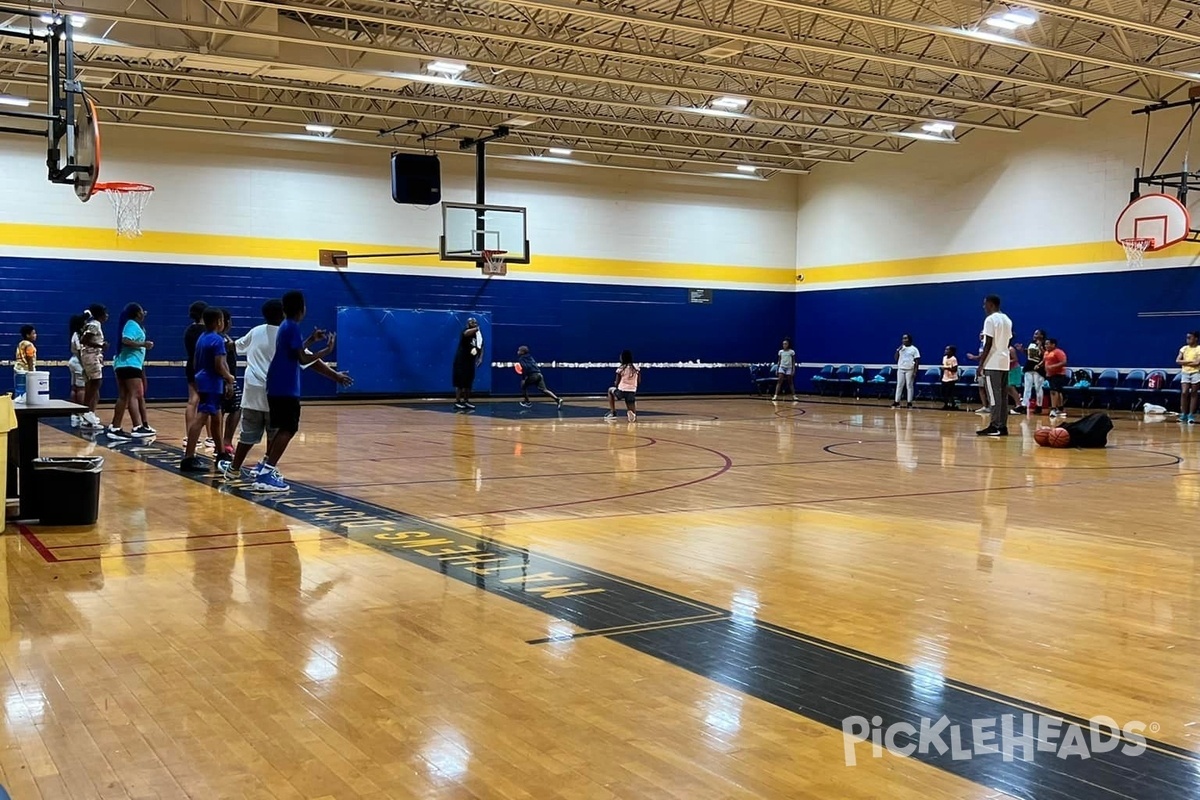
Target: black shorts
x=630 y=398
x=128 y=374
x=232 y=405
x=534 y=381
x=1057 y=382
x=285 y=413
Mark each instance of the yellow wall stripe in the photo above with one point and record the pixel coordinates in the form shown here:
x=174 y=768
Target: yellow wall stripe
x=53 y=237
x=988 y=261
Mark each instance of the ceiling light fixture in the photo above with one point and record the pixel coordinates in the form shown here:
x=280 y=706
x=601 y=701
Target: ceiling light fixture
x=1012 y=19
x=450 y=69
x=559 y=151
x=14 y=100
x=747 y=168
x=730 y=103
x=938 y=126
x=928 y=137
x=319 y=129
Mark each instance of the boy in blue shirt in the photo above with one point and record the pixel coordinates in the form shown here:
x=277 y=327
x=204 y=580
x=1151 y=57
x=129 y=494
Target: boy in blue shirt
x=283 y=386
x=531 y=376
x=214 y=381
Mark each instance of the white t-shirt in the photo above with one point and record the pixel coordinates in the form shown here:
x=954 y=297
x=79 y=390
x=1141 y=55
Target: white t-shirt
x=258 y=346
x=787 y=359
x=908 y=357
x=999 y=327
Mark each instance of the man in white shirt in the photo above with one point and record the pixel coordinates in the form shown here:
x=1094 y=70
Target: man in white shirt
x=994 y=363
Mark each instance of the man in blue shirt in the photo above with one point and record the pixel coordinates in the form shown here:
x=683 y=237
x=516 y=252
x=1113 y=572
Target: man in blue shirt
x=213 y=382
x=283 y=385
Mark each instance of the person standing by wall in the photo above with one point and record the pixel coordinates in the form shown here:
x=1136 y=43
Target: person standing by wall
x=1189 y=378
x=1035 y=372
x=995 y=361
x=467 y=357
x=908 y=361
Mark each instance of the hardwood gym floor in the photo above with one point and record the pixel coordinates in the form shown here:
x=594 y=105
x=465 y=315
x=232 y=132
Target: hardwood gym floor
x=529 y=605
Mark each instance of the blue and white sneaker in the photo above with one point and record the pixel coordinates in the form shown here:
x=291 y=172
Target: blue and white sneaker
x=269 y=481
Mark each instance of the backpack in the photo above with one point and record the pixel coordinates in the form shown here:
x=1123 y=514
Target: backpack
x=1155 y=381
x=1091 y=431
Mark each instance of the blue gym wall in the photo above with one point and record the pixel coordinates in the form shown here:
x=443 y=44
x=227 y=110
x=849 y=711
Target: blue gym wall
x=1094 y=316
x=570 y=322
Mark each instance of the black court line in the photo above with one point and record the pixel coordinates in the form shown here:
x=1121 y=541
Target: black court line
x=1023 y=749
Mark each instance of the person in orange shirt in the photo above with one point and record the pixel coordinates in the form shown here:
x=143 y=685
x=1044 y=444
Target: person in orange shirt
x=26 y=359
x=1055 y=362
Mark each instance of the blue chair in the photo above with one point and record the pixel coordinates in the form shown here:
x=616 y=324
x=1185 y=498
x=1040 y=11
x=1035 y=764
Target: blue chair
x=857 y=379
x=1128 y=392
x=763 y=377
x=1104 y=389
x=841 y=378
x=882 y=384
x=1173 y=391
x=928 y=384
x=1152 y=395
x=966 y=385
x=824 y=378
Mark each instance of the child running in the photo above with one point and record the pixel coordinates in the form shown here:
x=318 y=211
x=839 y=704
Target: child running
x=25 y=361
x=1189 y=378
x=283 y=386
x=785 y=363
x=213 y=381
x=531 y=376
x=78 y=382
x=949 y=378
x=1055 y=361
x=626 y=385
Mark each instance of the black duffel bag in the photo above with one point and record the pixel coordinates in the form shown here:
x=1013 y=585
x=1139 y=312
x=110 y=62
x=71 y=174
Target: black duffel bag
x=1091 y=431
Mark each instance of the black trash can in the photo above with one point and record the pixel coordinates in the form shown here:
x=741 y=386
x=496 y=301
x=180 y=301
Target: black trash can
x=67 y=490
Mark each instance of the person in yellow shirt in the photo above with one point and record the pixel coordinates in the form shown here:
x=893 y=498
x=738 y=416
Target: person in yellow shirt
x=1189 y=378
x=26 y=358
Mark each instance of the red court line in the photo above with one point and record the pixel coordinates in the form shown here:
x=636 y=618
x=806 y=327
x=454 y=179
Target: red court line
x=193 y=550
x=168 y=538
x=44 y=551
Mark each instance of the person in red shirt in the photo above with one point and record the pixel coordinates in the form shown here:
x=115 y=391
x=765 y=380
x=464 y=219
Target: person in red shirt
x=1055 y=362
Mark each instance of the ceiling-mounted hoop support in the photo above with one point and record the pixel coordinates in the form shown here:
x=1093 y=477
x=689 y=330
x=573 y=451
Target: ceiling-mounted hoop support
x=70 y=119
x=1178 y=183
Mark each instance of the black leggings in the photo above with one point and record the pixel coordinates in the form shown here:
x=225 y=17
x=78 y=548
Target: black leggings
x=948 y=388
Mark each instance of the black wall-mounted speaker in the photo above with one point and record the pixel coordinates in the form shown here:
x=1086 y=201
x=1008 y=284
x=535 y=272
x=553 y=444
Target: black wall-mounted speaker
x=416 y=179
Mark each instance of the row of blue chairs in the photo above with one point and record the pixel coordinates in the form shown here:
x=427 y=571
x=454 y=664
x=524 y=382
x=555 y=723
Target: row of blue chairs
x=1111 y=388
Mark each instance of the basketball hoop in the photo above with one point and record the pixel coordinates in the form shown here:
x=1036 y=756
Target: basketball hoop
x=493 y=262
x=1135 y=251
x=129 y=200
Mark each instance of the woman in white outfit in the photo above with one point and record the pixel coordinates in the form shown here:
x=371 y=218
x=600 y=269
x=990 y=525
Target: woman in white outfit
x=908 y=361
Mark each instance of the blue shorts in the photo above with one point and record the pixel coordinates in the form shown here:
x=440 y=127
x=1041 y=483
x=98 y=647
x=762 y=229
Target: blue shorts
x=210 y=402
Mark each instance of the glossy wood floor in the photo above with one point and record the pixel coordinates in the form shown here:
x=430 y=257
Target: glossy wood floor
x=197 y=644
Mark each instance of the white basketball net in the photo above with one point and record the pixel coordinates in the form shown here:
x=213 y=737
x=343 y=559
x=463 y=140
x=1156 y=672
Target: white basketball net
x=1135 y=251
x=129 y=200
x=493 y=262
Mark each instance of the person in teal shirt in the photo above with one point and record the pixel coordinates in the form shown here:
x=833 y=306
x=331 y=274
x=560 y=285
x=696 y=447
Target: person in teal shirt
x=128 y=365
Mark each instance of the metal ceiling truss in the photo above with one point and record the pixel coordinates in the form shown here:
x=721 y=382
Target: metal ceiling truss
x=628 y=84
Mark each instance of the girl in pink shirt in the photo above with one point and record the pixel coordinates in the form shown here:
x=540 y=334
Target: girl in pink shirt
x=624 y=387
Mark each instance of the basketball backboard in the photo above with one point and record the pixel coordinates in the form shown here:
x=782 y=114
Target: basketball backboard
x=1159 y=218
x=470 y=230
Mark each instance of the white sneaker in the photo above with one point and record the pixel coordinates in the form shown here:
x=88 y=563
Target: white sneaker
x=76 y=420
x=632 y=416
x=93 y=420
x=610 y=415
x=774 y=397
